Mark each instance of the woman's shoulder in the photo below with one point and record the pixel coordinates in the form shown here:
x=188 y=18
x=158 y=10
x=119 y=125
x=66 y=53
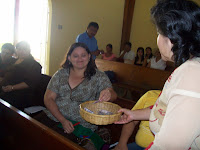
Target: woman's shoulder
x=62 y=71
x=190 y=64
x=99 y=73
x=188 y=68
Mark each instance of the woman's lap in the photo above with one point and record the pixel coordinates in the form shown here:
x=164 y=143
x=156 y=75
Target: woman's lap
x=44 y=119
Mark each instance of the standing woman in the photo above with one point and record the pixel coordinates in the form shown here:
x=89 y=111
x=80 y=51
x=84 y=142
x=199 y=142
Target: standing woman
x=174 y=118
x=21 y=79
x=139 y=59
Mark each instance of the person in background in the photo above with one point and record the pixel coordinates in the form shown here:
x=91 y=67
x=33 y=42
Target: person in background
x=76 y=82
x=6 y=59
x=157 y=62
x=89 y=39
x=139 y=59
x=21 y=79
x=148 y=56
x=127 y=55
x=109 y=55
x=174 y=118
x=144 y=135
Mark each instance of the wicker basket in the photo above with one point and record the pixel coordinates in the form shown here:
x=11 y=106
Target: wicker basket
x=94 y=118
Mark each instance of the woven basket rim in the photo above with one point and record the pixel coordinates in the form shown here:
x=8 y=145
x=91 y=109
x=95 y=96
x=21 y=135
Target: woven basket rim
x=100 y=115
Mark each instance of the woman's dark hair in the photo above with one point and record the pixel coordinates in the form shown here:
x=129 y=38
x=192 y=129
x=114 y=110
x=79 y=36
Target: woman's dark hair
x=137 y=57
x=179 y=20
x=151 y=55
x=8 y=46
x=91 y=67
x=109 y=45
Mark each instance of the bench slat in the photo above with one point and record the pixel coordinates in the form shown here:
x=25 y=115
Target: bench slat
x=23 y=132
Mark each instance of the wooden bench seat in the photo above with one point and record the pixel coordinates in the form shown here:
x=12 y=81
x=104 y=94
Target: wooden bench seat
x=20 y=132
x=135 y=79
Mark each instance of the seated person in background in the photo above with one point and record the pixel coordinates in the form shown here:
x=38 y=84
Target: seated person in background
x=148 y=56
x=144 y=135
x=76 y=82
x=6 y=59
x=157 y=62
x=127 y=55
x=139 y=59
x=20 y=79
x=109 y=55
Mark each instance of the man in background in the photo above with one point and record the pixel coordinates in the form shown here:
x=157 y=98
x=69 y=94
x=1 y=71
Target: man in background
x=89 y=39
x=127 y=55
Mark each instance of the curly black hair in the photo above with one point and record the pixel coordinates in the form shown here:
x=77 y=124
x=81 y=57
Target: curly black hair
x=179 y=20
x=91 y=67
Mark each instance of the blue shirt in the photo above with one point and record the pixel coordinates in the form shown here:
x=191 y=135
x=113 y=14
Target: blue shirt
x=90 y=42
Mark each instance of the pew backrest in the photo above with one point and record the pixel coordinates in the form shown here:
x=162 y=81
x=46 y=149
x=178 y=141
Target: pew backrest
x=27 y=133
x=141 y=77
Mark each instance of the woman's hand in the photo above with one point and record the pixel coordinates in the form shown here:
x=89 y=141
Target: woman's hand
x=7 y=88
x=127 y=117
x=105 y=95
x=67 y=126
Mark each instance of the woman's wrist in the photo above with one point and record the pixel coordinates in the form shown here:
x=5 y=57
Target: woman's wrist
x=12 y=88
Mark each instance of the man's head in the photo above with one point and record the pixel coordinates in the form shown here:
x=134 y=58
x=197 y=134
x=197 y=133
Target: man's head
x=7 y=51
x=92 y=29
x=127 y=46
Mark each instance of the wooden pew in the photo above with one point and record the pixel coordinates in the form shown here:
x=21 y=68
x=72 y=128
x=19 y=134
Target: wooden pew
x=21 y=132
x=136 y=79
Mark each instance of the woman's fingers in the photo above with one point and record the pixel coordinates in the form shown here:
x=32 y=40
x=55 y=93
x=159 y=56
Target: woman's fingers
x=105 y=95
x=68 y=127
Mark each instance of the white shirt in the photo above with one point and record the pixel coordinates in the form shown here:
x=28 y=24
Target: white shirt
x=128 y=56
x=161 y=64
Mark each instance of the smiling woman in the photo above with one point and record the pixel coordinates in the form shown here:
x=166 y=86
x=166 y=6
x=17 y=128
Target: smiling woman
x=76 y=82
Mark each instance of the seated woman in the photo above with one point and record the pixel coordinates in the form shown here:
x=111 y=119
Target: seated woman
x=109 y=55
x=20 y=80
x=76 y=82
x=139 y=59
x=148 y=56
x=157 y=62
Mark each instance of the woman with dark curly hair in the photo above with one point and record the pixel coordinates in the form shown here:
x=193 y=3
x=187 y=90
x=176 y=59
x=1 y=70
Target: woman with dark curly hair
x=76 y=82
x=174 y=118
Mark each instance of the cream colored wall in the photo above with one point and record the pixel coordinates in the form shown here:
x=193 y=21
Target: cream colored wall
x=143 y=31
x=74 y=16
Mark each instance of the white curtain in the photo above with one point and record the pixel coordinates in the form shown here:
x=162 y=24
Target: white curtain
x=7 y=13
